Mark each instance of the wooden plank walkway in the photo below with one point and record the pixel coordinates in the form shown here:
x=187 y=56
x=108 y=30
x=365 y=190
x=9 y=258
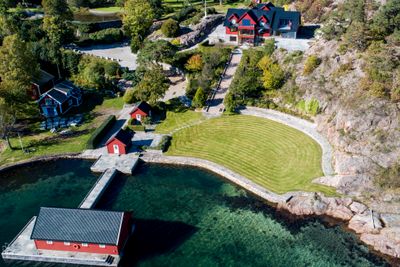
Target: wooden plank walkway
x=98 y=189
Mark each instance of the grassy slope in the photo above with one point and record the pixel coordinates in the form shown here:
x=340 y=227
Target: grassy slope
x=178 y=120
x=271 y=154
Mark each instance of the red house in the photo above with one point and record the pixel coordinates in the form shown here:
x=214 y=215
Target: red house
x=120 y=142
x=254 y=25
x=141 y=111
x=81 y=230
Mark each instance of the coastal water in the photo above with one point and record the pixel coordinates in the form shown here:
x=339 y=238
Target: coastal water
x=191 y=217
x=183 y=217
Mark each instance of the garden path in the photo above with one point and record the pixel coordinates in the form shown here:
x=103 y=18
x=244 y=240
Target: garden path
x=216 y=104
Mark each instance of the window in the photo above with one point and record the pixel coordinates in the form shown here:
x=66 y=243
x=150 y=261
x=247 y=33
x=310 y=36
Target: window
x=102 y=246
x=70 y=102
x=138 y=117
x=67 y=243
x=233 y=21
x=246 y=22
x=49 y=242
x=48 y=102
x=232 y=38
x=85 y=245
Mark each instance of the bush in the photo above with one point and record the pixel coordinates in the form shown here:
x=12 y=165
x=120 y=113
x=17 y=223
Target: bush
x=176 y=42
x=129 y=96
x=170 y=28
x=269 y=46
x=388 y=178
x=100 y=132
x=106 y=36
x=165 y=143
x=195 y=63
x=184 y=13
x=311 y=64
x=310 y=107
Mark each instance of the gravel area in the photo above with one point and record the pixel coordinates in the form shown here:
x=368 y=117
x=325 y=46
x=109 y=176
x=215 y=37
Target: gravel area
x=117 y=52
x=301 y=125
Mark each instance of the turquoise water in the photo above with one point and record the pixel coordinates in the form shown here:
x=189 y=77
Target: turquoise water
x=190 y=217
x=61 y=183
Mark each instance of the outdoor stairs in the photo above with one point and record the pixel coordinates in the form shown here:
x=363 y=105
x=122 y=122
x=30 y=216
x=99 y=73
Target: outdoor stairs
x=109 y=259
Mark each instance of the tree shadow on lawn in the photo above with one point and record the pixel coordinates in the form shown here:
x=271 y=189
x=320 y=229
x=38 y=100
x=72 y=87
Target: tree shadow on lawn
x=155 y=237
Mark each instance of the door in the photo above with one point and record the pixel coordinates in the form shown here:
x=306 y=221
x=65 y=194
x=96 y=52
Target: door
x=138 y=117
x=116 y=149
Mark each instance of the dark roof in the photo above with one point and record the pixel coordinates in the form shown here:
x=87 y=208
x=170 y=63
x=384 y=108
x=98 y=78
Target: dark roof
x=125 y=136
x=268 y=4
x=65 y=86
x=143 y=106
x=273 y=15
x=42 y=78
x=293 y=16
x=57 y=95
x=78 y=225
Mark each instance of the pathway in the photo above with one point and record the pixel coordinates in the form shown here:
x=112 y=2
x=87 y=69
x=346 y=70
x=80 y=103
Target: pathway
x=302 y=125
x=216 y=104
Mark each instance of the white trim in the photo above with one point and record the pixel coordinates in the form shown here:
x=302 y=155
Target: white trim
x=67 y=243
x=49 y=242
x=102 y=246
x=120 y=227
x=85 y=244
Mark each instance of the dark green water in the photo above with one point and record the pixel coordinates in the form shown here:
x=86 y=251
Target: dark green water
x=61 y=183
x=183 y=216
x=190 y=217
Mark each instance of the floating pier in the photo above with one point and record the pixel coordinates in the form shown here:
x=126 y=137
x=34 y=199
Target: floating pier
x=23 y=248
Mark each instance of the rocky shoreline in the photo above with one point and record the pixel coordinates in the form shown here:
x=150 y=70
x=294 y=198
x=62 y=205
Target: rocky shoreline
x=372 y=227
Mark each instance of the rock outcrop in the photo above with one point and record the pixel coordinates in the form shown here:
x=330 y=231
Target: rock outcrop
x=201 y=30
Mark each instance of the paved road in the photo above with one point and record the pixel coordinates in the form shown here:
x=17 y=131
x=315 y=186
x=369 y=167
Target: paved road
x=217 y=104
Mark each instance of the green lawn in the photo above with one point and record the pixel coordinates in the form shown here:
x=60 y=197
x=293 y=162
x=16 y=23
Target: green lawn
x=177 y=120
x=111 y=9
x=114 y=103
x=271 y=154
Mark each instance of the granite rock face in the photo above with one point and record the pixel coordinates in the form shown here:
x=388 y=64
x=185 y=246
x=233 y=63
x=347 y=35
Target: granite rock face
x=200 y=31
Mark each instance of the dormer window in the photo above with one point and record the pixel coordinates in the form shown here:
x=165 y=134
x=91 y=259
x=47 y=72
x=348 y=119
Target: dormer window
x=234 y=21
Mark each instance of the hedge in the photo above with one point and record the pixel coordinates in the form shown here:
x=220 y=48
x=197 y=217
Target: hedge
x=100 y=132
x=107 y=36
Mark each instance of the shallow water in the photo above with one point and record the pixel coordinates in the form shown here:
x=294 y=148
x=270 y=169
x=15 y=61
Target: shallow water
x=191 y=217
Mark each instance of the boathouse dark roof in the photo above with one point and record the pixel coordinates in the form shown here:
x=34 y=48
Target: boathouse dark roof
x=78 y=225
x=143 y=106
x=42 y=78
x=125 y=136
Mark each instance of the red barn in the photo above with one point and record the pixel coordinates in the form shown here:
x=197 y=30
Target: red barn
x=120 y=142
x=81 y=230
x=40 y=85
x=141 y=111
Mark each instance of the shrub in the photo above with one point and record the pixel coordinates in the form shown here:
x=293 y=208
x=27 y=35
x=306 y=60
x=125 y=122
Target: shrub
x=100 y=132
x=310 y=107
x=311 y=64
x=176 y=42
x=389 y=177
x=199 y=98
x=269 y=46
x=165 y=143
x=129 y=96
x=106 y=36
x=170 y=28
x=195 y=63
x=184 y=13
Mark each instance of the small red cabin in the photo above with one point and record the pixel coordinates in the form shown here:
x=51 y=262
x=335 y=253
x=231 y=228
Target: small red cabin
x=120 y=142
x=81 y=230
x=141 y=111
x=40 y=85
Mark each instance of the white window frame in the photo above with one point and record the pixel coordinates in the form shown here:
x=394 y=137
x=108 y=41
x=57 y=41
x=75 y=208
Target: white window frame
x=67 y=243
x=85 y=244
x=102 y=246
x=49 y=242
x=139 y=117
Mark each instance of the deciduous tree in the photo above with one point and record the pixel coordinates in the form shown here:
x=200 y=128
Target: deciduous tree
x=153 y=86
x=137 y=20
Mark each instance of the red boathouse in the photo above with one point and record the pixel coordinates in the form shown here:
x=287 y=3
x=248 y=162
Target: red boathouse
x=82 y=230
x=141 y=111
x=120 y=142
